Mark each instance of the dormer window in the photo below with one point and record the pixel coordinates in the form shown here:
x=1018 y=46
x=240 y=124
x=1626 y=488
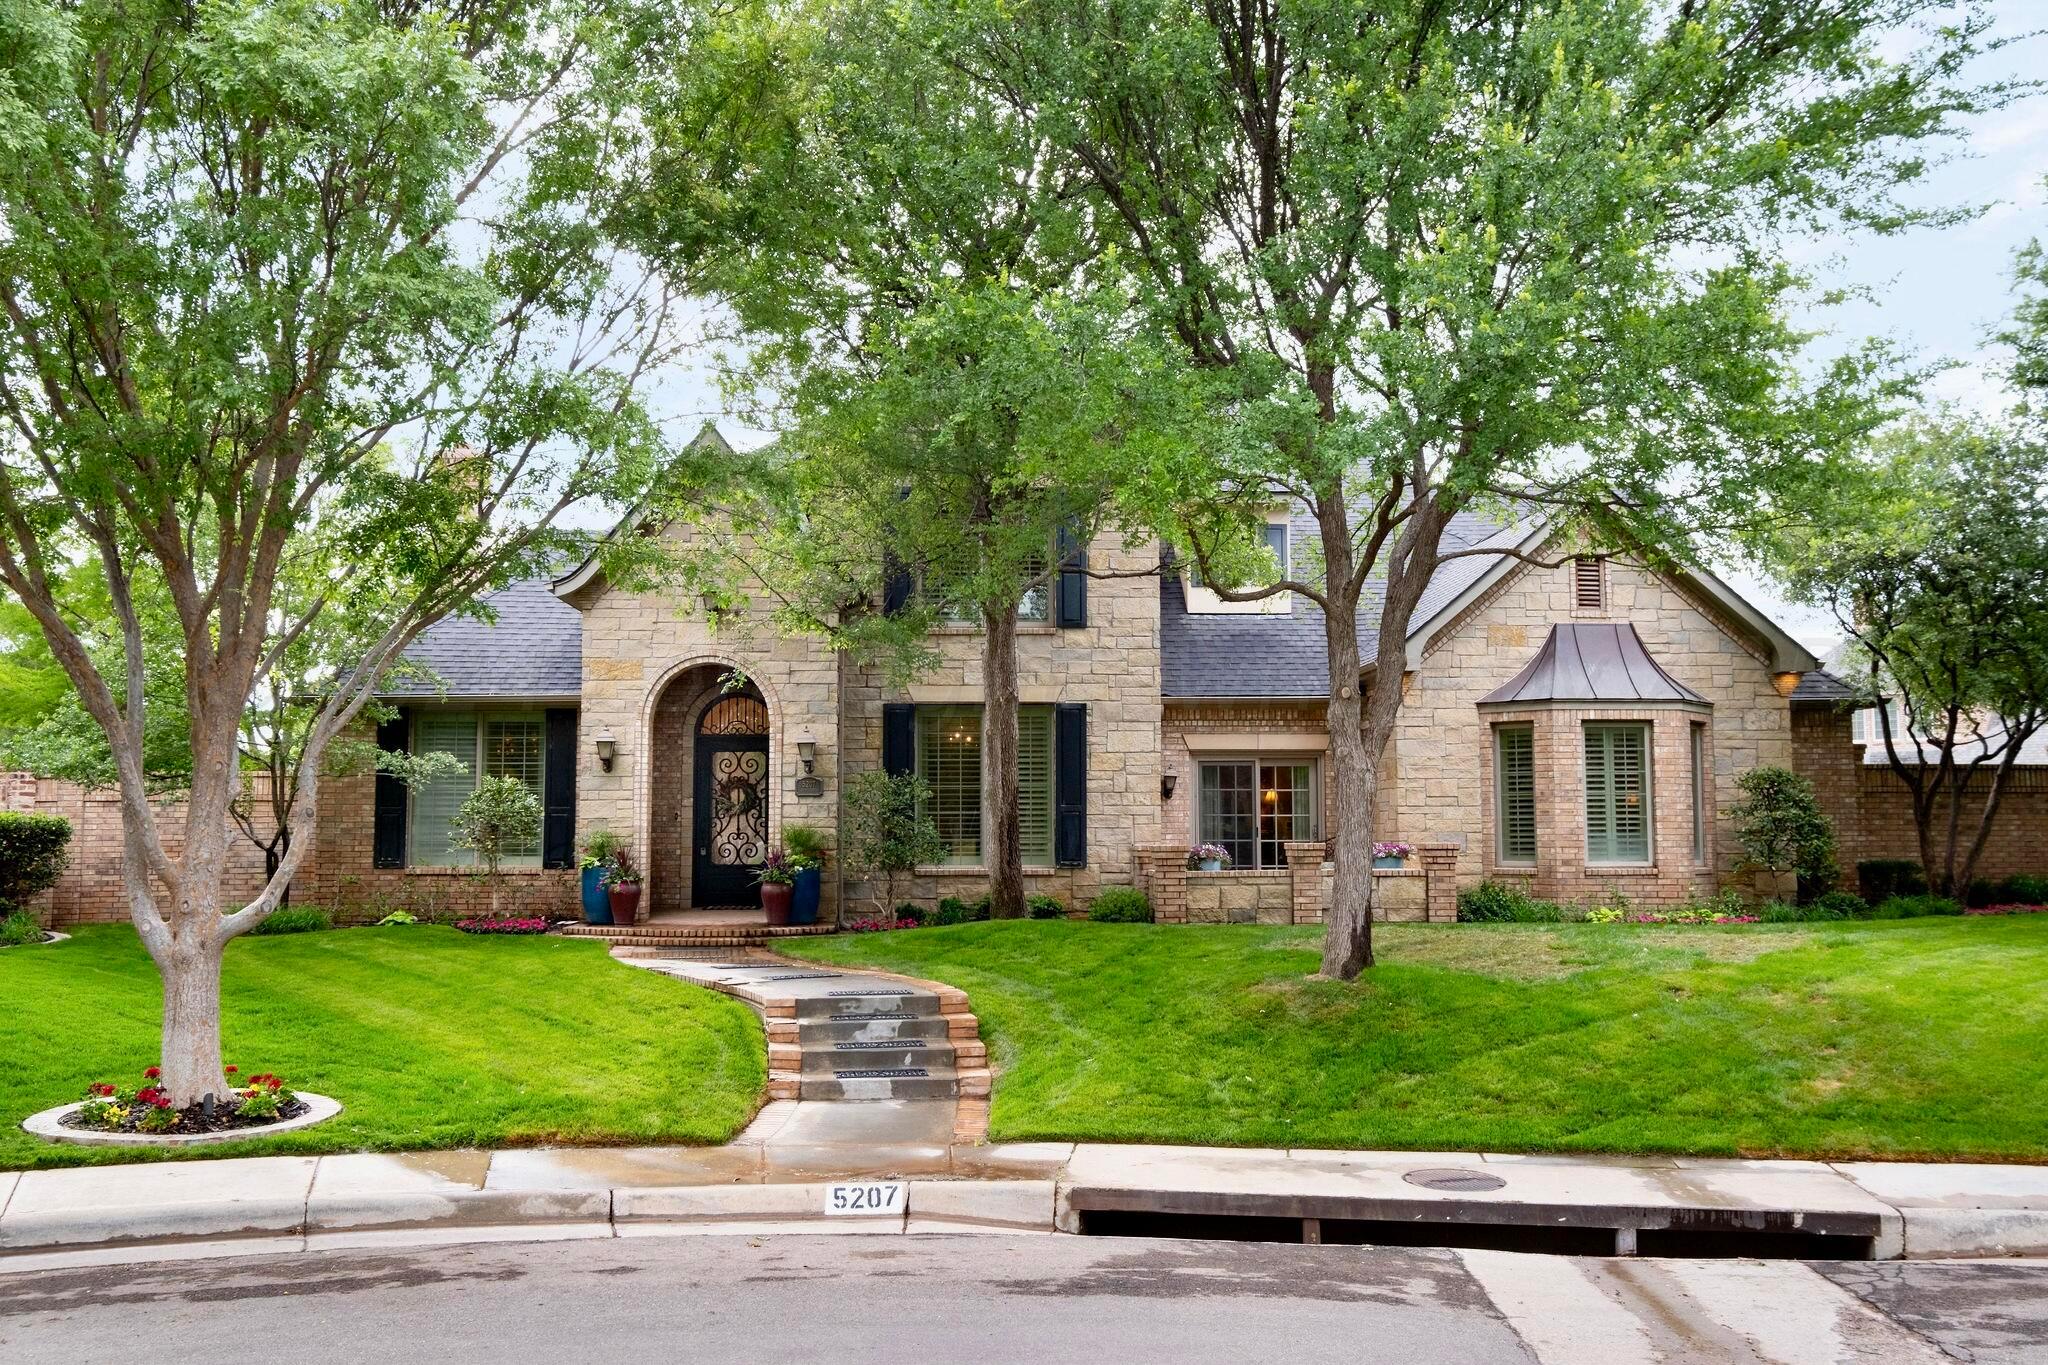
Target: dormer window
x=1201 y=601
x=1589 y=583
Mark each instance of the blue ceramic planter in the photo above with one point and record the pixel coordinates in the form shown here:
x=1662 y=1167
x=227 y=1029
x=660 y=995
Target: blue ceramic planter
x=597 y=905
x=810 y=887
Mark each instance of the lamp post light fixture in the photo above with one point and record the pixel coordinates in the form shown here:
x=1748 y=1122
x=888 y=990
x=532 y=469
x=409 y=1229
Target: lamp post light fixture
x=607 y=749
x=807 y=750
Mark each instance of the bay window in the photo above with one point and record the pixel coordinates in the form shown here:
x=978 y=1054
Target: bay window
x=1514 y=792
x=1618 y=793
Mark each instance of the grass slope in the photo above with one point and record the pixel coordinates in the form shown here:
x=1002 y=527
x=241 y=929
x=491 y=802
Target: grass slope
x=1909 y=1039
x=428 y=1037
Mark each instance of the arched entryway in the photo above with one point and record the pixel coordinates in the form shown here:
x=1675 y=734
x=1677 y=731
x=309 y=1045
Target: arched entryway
x=710 y=791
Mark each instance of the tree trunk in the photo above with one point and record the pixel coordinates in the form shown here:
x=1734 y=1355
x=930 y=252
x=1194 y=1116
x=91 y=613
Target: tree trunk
x=1347 y=936
x=190 y=1057
x=1002 y=838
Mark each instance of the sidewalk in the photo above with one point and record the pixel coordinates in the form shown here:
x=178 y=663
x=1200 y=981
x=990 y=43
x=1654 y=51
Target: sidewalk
x=774 y=1179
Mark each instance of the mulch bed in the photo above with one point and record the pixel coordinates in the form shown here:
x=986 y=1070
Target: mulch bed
x=48 y=937
x=194 y=1120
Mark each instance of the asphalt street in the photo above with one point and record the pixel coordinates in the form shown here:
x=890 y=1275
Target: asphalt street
x=852 y=1299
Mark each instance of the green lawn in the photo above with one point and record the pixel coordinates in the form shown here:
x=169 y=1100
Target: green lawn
x=428 y=1037
x=1924 y=1038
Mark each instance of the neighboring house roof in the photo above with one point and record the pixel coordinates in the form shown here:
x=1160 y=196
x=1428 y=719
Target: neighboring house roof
x=534 y=649
x=1592 y=662
x=1819 y=687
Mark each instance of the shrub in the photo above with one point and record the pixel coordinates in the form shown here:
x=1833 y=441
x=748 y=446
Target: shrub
x=499 y=818
x=1880 y=879
x=2022 y=889
x=1121 y=905
x=914 y=914
x=1046 y=907
x=1499 y=903
x=885 y=829
x=398 y=919
x=19 y=928
x=953 y=910
x=295 y=919
x=1916 y=907
x=1782 y=827
x=1981 y=891
x=34 y=850
x=1840 y=905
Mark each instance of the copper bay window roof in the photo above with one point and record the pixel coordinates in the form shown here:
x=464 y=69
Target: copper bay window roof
x=1601 y=662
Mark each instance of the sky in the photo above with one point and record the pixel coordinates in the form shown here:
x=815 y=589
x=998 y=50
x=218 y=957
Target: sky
x=1935 y=293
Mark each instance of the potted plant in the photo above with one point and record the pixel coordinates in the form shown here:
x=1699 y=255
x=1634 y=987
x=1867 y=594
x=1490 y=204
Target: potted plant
x=1208 y=858
x=598 y=851
x=778 y=885
x=806 y=845
x=622 y=887
x=1393 y=854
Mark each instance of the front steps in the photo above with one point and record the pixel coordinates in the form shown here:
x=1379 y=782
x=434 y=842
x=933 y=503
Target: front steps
x=876 y=1042
x=683 y=934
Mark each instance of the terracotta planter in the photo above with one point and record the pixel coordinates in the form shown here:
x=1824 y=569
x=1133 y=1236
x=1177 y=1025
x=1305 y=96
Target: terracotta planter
x=625 y=901
x=775 y=899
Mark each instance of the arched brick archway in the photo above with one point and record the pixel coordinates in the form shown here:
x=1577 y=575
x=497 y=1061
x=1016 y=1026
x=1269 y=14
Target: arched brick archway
x=692 y=695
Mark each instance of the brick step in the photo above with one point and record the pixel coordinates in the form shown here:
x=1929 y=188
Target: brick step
x=828 y=1060
x=933 y=1086
x=859 y=1004
x=868 y=1028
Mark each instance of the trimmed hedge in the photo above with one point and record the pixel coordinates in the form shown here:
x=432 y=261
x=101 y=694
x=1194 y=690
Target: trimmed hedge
x=1046 y=907
x=34 y=851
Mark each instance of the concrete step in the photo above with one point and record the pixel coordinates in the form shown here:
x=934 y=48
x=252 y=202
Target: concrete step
x=860 y=1003
x=869 y=1028
x=855 y=1087
x=928 y=1054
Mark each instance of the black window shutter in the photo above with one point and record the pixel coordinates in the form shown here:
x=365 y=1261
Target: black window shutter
x=1072 y=607
x=387 y=824
x=558 y=790
x=897 y=585
x=1070 y=784
x=899 y=737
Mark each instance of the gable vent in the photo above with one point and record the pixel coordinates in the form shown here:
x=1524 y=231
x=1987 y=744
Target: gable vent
x=1589 y=584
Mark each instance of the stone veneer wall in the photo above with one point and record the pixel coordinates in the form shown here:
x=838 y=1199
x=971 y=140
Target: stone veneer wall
x=1872 y=809
x=1444 y=745
x=635 y=644
x=1111 y=664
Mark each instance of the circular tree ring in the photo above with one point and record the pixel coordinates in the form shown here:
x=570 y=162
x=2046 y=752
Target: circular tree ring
x=50 y=1125
x=49 y=937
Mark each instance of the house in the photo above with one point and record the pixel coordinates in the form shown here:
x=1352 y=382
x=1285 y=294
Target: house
x=1577 y=729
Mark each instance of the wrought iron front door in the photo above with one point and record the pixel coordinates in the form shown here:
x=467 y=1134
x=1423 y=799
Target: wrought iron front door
x=730 y=819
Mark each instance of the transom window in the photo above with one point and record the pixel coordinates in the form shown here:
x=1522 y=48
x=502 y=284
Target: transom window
x=1618 y=793
x=1253 y=807
x=949 y=761
x=1514 y=786
x=486 y=744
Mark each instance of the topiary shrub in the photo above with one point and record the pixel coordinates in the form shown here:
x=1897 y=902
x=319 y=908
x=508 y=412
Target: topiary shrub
x=34 y=850
x=2023 y=889
x=1782 y=828
x=1915 y=907
x=295 y=919
x=1879 y=879
x=1121 y=905
x=1046 y=907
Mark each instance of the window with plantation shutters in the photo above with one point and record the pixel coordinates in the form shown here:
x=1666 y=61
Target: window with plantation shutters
x=1589 y=583
x=512 y=748
x=1618 y=793
x=1514 y=775
x=949 y=760
x=1699 y=792
x=486 y=744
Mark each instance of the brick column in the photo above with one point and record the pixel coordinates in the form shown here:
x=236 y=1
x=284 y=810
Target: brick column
x=1163 y=875
x=1440 y=864
x=1305 y=877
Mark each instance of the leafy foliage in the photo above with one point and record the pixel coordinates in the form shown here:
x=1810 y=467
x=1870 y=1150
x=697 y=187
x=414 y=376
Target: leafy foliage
x=501 y=817
x=295 y=919
x=18 y=928
x=1493 y=902
x=1121 y=905
x=1880 y=879
x=885 y=829
x=34 y=851
x=1782 y=828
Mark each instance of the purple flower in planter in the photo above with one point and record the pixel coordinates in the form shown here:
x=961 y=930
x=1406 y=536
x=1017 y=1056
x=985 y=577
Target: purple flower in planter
x=1395 y=849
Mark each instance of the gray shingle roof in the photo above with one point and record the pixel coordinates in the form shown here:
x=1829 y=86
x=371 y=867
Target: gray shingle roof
x=1819 y=686
x=1592 y=661
x=533 y=649
x=1276 y=655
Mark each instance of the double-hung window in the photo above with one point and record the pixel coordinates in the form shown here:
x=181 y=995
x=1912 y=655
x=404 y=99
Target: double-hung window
x=1034 y=606
x=1252 y=807
x=1618 y=793
x=949 y=761
x=1514 y=792
x=486 y=744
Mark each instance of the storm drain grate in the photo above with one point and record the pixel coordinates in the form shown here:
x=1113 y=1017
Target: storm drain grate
x=891 y=1073
x=1454 y=1181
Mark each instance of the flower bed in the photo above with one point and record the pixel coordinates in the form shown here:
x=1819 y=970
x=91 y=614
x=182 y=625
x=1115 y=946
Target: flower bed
x=487 y=925
x=2007 y=910
x=147 y=1110
x=874 y=924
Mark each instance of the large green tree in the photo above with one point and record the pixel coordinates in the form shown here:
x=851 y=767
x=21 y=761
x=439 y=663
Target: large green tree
x=951 y=363
x=270 y=265
x=1435 y=255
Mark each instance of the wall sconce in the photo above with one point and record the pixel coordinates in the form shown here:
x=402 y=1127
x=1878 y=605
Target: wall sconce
x=807 y=751
x=1166 y=783
x=607 y=749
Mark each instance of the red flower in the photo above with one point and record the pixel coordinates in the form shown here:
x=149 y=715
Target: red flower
x=151 y=1073
x=149 y=1094
x=233 y=1069
x=276 y=1084
x=100 y=1088
x=162 y=1101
